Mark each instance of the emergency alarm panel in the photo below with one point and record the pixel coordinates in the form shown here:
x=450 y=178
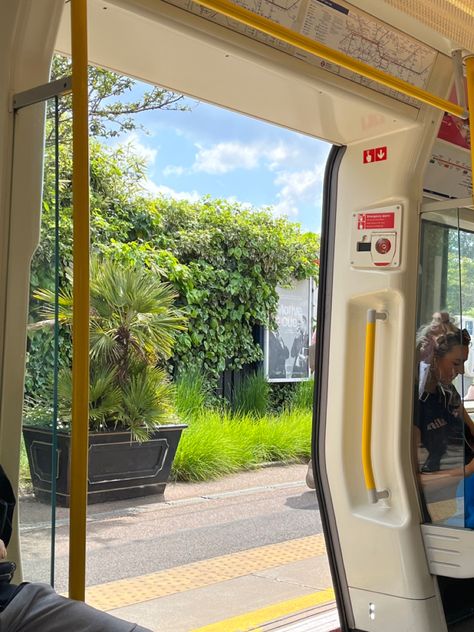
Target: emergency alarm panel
x=375 y=237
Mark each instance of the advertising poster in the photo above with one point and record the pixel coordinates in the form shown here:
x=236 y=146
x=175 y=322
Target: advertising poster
x=286 y=352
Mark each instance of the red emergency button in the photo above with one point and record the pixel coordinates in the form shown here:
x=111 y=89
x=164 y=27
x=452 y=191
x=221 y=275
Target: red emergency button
x=383 y=245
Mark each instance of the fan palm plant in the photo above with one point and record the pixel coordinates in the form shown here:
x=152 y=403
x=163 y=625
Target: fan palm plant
x=133 y=326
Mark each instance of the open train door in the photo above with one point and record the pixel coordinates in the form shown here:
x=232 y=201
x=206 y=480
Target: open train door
x=398 y=537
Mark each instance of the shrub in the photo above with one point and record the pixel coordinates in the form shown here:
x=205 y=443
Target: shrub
x=303 y=395
x=280 y=395
x=192 y=393
x=133 y=328
x=251 y=396
x=207 y=450
x=217 y=444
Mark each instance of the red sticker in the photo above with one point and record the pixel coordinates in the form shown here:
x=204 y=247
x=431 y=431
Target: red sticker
x=369 y=156
x=374 y=155
x=375 y=221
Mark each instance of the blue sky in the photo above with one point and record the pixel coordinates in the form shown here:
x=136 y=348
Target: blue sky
x=209 y=150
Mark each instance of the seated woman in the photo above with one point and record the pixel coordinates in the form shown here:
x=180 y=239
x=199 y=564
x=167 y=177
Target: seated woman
x=441 y=421
x=438 y=419
x=427 y=338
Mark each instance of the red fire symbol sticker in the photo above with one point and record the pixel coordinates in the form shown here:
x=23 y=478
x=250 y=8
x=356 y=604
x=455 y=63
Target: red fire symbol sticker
x=374 y=155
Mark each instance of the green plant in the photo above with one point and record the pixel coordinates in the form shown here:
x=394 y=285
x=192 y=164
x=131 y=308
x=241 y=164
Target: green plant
x=251 y=395
x=303 y=395
x=216 y=443
x=192 y=392
x=224 y=260
x=36 y=412
x=133 y=327
x=281 y=394
x=25 y=477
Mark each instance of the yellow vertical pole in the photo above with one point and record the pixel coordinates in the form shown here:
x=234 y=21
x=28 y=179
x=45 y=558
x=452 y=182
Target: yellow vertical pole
x=80 y=319
x=470 y=101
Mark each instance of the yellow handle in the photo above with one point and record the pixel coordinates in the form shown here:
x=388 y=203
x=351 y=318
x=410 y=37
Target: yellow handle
x=367 y=409
x=374 y=495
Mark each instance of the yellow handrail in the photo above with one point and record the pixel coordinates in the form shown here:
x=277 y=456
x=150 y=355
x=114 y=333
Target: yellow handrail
x=80 y=359
x=470 y=101
x=373 y=494
x=302 y=42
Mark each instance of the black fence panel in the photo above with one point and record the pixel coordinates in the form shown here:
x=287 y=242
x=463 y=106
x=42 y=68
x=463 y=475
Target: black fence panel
x=231 y=379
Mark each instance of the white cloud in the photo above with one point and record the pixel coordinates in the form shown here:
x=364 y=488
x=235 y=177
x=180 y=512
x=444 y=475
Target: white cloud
x=277 y=155
x=297 y=187
x=157 y=190
x=229 y=156
x=135 y=146
x=225 y=157
x=173 y=170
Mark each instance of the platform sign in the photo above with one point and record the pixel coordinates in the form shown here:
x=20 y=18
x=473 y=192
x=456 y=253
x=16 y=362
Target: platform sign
x=286 y=349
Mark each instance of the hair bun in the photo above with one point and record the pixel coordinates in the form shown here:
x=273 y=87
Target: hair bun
x=441 y=317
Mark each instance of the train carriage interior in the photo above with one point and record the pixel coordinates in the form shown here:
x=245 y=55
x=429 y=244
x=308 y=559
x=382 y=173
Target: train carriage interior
x=388 y=83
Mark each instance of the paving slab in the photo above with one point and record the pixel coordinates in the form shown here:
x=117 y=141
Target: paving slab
x=34 y=513
x=203 y=606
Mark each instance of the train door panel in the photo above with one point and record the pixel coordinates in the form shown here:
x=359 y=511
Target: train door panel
x=406 y=561
x=378 y=547
x=27 y=32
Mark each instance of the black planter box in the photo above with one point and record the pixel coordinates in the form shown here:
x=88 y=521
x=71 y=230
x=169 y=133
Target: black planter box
x=118 y=467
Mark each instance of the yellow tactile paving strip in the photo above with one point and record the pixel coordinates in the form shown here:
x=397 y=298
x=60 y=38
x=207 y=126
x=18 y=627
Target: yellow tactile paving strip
x=126 y=592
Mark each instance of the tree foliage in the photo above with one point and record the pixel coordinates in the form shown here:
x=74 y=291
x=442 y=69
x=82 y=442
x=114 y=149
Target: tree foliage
x=460 y=273
x=224 y=260
x=110 y=113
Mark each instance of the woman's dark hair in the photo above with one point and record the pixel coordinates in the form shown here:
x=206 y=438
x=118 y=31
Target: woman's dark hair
x=466 y=338
x=446 y=342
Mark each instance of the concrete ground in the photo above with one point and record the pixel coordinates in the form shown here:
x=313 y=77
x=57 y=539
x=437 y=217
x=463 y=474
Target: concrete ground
x=241 y=590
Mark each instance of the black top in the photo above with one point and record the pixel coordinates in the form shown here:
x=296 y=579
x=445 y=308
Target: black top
x=7 y=506
x=440 y=425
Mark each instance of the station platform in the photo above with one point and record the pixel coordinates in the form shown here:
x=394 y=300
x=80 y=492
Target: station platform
x=284 y=586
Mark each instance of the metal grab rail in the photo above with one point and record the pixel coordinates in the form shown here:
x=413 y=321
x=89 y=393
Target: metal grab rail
x=374 y=495
x=302 y=42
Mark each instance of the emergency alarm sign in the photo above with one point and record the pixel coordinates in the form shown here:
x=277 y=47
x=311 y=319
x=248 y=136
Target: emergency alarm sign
x=375 y=237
